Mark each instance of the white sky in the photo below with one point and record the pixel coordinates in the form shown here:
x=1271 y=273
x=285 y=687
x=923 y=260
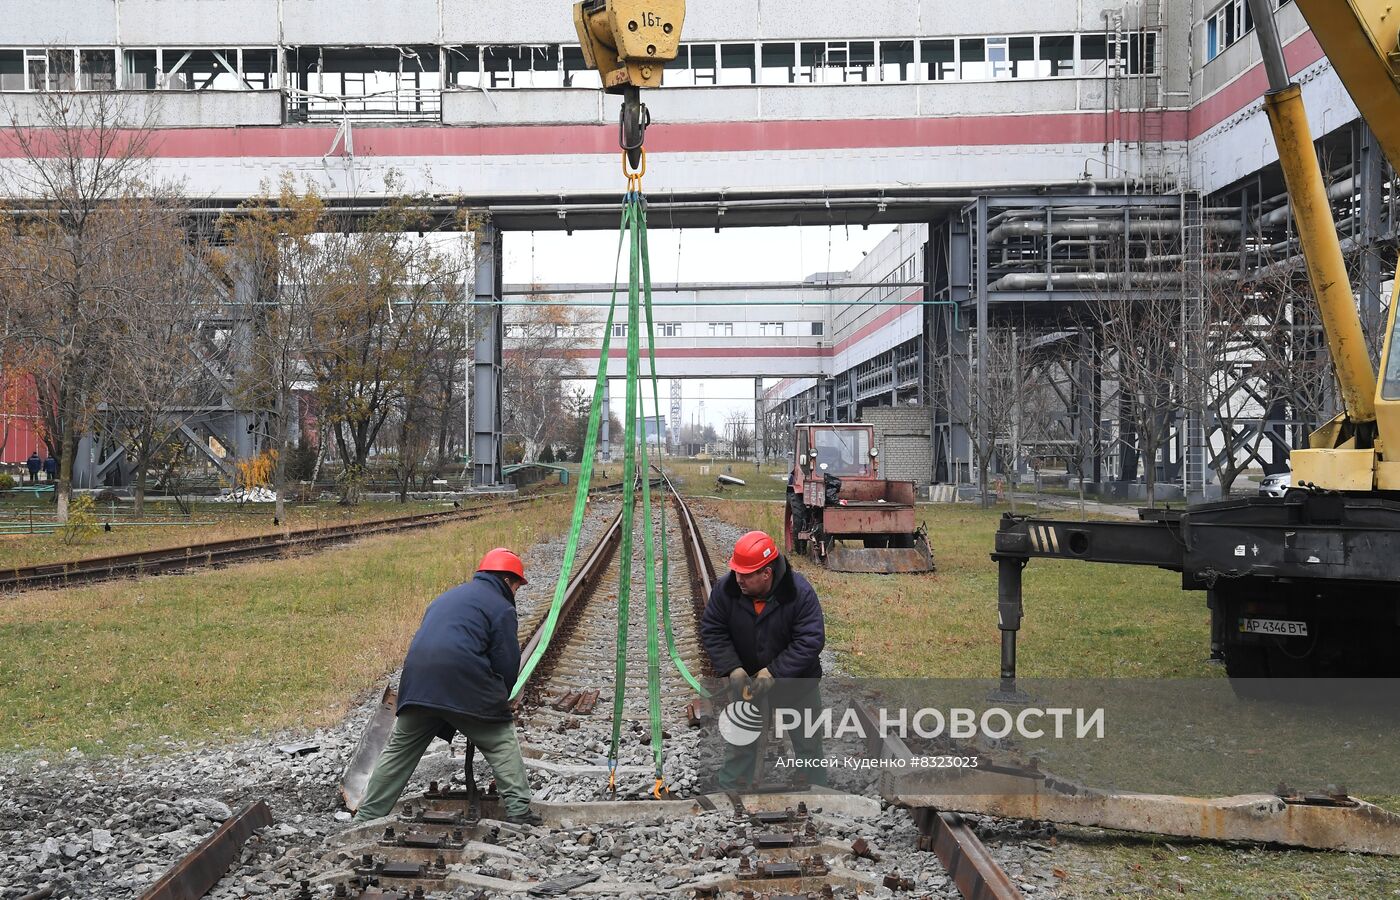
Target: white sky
x=733 y=254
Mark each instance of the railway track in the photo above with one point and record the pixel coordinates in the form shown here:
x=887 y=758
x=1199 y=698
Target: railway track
x=450 y=841
x=582 y=652
x=203 y=554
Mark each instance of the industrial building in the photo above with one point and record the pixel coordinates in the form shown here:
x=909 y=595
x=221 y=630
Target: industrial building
x=1098 y=147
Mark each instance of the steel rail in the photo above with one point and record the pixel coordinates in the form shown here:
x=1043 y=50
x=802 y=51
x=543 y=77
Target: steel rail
x=227 y=550
x=194 y=875
x=596 y=566
x=702 y=568
x=977 y=875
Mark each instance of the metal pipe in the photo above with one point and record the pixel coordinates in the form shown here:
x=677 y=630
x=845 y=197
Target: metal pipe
x=1336 y=191
x=1107 y=281
x=1270 y=46
x=713 y=287
x=1100 y=229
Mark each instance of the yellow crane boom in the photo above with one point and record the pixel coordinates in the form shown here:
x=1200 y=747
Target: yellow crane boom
x=1360 y=39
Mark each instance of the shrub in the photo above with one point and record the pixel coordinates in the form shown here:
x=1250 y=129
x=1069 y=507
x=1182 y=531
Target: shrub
x=82 y=523
x=7 y=482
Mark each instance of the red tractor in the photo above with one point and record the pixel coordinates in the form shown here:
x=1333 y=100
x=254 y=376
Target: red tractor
x=842 y=514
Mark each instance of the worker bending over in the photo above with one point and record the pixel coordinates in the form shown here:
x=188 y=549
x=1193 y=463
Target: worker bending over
x=457 y=677
x=763 y=626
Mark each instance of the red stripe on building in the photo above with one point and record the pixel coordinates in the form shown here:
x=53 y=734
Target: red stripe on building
x=1303 y=51
x=281 y=142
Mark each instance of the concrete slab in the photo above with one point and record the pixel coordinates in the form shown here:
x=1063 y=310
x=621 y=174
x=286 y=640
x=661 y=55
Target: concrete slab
x=600 y=888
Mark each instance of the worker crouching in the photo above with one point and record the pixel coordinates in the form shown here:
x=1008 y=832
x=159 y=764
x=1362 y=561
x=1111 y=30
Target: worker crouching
x=763 y=626
x=457 y=676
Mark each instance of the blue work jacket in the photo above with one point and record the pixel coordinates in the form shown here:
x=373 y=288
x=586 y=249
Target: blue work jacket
x=787 y=638
x=466 y=654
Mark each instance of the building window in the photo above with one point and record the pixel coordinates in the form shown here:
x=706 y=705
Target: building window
x=578 y=74
x=521 y=66
x=779 y=63
x=619 y=330
x=1056 y=55
x=897 y=61
x=694 y=64
x=940 y=60
x=770 y=329
x=1228 y=24
x=972 y=53
x=738 y=64
x=836 y=62
x=1097 y=52
x=721 y=329
x=669 y=329
x=818 y=328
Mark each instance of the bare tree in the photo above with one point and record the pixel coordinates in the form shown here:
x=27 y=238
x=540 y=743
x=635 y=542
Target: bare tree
x=537 y=365
x=436 y=336
x=156 y=380
x=81 y=160
x=739 y=432
x=385 y=303
x=993 y=397
x=1145 y=352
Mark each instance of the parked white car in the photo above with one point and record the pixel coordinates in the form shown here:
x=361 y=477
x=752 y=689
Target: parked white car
x=1276 y=485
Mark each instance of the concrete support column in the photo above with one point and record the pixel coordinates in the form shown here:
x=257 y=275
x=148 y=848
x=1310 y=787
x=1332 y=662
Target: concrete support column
x=604 y=428
x=983 y=311
x=487 y=361
x=760 y=443
x=850 y=414
x=84 y=464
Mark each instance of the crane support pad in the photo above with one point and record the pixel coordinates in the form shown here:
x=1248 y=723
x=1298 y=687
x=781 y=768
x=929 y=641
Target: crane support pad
x=880 y=560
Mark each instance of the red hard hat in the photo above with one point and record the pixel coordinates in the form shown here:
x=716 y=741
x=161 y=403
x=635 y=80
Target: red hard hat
x=503 y=560
x=752 y=552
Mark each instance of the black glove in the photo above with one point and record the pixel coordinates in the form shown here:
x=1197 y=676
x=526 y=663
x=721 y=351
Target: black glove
x=762 y=682
x=738 y=682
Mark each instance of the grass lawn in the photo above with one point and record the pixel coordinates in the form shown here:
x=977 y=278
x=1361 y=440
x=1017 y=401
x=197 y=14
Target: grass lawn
x=265 y=645
x=1081 y=621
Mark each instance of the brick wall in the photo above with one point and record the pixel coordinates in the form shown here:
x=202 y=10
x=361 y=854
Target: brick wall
x=902 y=435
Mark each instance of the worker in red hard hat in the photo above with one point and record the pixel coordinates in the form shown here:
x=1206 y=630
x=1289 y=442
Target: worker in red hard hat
x=458 y=676
x=763 y=627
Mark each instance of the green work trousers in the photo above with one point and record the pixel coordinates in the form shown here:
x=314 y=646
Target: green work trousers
x=737 y=771
x=414 y=730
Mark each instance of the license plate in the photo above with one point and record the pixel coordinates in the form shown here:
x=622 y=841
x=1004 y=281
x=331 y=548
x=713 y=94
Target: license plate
x=1281 y=627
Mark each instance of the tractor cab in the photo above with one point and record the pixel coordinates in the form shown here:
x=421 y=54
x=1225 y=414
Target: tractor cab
x=841 y=513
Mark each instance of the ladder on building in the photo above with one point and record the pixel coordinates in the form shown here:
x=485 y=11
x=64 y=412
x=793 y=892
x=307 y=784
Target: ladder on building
x=1152 y=109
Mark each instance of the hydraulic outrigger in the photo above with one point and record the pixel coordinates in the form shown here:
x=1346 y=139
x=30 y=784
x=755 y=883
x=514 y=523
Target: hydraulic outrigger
x=1306 y=584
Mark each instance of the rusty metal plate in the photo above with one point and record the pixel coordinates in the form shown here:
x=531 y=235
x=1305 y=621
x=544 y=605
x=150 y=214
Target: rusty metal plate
x=372 y=743
x=868 y=519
